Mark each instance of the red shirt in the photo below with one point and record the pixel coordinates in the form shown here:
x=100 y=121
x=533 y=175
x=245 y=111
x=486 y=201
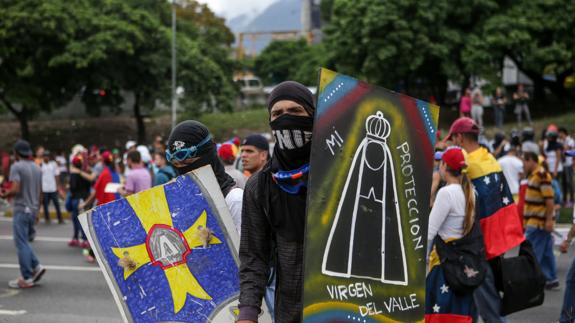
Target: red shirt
x=107 y=176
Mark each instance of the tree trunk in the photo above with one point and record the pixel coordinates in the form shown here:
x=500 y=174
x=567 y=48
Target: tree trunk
x=140 y=126
x=24 y=129
x=21 y=116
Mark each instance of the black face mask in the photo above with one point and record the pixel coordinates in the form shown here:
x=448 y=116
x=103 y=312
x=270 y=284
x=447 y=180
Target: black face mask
x=293 y=141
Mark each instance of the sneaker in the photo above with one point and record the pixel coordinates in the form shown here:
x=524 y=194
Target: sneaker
x=39 y=271
x=73 y=243
x=20 y=283
x=552 y=285
x=85 y=244
x=90 y=259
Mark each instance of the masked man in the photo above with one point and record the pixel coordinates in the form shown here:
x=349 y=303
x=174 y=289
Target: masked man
x=190 y=147
x=273 y=216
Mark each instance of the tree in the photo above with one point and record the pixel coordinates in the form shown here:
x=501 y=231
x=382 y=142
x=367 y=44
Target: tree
x=399 y=44
x=537 y=35
x=416 y=46
x=35 y=73
x=289 y=60
x=51 y=51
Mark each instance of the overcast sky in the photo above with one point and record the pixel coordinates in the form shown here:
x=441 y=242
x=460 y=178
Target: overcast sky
x=233 y=8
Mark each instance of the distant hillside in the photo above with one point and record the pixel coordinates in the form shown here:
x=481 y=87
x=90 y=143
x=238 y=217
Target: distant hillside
x=281 y=15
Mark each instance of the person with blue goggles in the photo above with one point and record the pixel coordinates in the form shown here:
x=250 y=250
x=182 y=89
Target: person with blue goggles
x=190 y=146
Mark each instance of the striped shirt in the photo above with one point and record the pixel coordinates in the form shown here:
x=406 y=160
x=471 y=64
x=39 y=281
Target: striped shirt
x=538 y=190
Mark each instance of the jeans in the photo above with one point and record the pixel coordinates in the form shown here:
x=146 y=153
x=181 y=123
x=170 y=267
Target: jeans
x=542 y=243
x=568 y=308
x=270 y=295
x=499 y=113
x=75 y=212
x=46 y=198
x=487 y=299
x=21 y=226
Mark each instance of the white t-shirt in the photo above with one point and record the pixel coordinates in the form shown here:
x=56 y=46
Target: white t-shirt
x=61 y=160
x=234 y=201
x=512 y=168
x=551 y=156
x=448 y=214
x=49 y=172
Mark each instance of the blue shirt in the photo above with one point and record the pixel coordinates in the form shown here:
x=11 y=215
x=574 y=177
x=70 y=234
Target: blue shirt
x=164 y=175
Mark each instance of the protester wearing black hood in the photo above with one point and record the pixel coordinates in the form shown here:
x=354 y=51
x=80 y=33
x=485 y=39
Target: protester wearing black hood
x=190 y=147
x=273 y=216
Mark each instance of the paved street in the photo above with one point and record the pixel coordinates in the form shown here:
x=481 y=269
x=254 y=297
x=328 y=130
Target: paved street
x=73 y=291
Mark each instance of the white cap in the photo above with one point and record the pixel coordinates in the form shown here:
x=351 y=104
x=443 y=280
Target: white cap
x=144 y=153
x=130 y=144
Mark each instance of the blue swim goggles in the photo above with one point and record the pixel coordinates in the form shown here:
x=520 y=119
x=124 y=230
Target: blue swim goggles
x=185 y=153
x=293 y=180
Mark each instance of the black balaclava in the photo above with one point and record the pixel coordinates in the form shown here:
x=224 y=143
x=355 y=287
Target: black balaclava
x=291 y=151
x=292 y=133
x=191 y=133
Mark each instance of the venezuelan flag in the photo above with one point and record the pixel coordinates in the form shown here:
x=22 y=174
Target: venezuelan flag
x=441 y=303
x=498 y=217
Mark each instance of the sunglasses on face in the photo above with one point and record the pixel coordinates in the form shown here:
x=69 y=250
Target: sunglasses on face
x=186 y=153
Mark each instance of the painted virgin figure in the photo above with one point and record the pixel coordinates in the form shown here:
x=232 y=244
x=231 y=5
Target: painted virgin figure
x=366 y=238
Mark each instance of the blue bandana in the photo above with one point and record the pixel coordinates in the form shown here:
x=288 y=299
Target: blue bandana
x=292 y=181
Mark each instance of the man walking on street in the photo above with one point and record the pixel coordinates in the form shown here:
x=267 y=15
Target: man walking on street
x=26 y=191
x=538 y=214
x=500 y=224
x=50 y=175
x=273 y=215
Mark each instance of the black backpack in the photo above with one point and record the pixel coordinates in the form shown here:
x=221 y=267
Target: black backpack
x=520 y=279
x=463 y=261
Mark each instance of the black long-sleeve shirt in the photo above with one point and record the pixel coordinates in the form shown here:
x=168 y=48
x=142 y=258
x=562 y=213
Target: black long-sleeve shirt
x=255 y=256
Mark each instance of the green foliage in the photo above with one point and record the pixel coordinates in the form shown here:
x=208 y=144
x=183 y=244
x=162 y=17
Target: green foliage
x=537 y=35
x=241 y=123
x=415 y=46
x=53 y=50
x=289 y=60
x=396 y=43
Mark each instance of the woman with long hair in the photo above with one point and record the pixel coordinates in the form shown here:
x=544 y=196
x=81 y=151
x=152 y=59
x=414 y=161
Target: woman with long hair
x=452 y=217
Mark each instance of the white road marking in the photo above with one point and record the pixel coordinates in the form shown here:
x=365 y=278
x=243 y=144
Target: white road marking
x=51 y=267
x=8 y=312
x=45 y=239
x=8 y=292
x=5 y=219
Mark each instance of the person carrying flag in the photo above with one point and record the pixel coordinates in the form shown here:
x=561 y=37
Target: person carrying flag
x=452 y=217
x=500 y=223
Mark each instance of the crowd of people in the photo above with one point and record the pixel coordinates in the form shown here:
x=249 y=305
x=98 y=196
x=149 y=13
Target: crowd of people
x=511 y=187
x=473 y=101
x=91 y=176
